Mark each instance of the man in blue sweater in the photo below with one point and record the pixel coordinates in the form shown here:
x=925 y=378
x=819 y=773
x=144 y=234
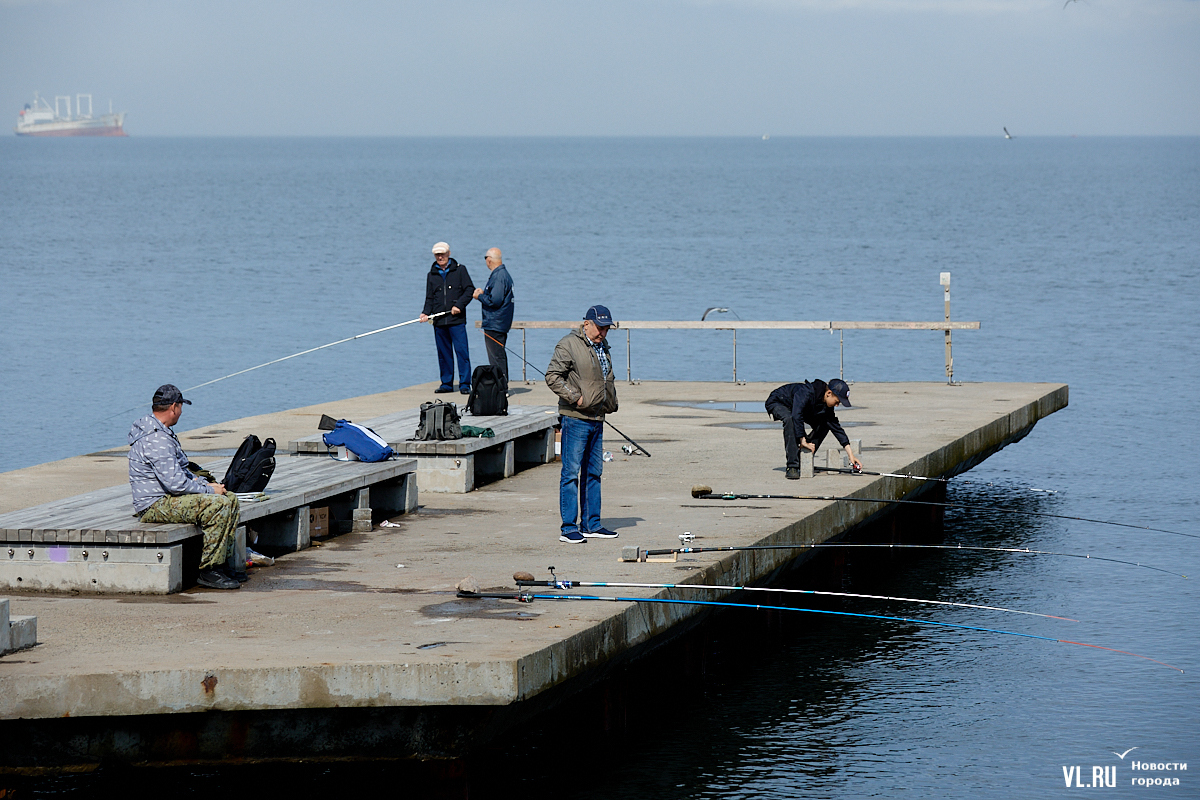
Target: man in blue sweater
x=496 y=299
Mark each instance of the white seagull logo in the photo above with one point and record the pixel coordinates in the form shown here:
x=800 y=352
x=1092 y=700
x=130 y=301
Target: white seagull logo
x=1122 y=755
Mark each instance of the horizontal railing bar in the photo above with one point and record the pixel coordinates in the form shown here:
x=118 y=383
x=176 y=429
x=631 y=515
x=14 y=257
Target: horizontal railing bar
x=729 y=325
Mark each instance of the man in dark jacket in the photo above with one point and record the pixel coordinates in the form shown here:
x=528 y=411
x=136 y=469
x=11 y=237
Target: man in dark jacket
x=795 y=404
x=448 y=287
x=496 y=300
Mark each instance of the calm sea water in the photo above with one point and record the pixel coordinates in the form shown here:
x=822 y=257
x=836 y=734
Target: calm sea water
x=127 y=264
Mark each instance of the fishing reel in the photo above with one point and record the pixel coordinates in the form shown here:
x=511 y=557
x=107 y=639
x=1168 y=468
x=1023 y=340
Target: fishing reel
x=687 y=537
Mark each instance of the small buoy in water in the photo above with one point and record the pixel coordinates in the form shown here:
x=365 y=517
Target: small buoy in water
x=766 y=136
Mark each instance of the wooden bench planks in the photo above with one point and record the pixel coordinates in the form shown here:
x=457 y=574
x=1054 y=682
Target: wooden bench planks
x=55 y=551
x=524 y=437
x=106 y=515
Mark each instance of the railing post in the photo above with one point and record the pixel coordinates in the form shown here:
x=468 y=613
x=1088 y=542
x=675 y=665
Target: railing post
x=735 y=355
x=524 y=376
x=842 y=353
x=945 y=281
x=628 y=358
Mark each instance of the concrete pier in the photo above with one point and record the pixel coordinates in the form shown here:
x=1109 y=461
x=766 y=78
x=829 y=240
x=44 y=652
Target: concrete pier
x=360 y=648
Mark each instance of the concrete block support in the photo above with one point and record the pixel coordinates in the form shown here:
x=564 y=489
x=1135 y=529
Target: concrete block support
x=105 y=568
x=289 y=531
x=454 y=475
x=806 y=463
x=16 y=632
x=535 y=449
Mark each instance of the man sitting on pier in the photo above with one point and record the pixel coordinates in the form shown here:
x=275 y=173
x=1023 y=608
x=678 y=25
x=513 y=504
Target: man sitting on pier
x=165 y=490
x=813 y=402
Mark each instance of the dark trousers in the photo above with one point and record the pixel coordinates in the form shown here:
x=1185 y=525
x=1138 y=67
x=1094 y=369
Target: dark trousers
x=791 y=437
x=451 y=341
x=494 y=341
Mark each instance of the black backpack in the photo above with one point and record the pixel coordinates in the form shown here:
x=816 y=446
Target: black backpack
x=252 y=466
x=438 y=421
x=489 y=392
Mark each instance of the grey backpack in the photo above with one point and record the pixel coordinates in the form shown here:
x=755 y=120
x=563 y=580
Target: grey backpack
x=438 y=421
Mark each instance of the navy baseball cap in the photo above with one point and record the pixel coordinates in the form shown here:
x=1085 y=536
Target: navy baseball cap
x=168 y=395
x=839 y=388
x=599 y=315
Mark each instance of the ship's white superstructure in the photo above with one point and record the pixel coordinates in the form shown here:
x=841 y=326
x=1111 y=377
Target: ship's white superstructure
x=41 y=119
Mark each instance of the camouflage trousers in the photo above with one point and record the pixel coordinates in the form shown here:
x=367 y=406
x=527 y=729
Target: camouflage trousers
x=216 y=514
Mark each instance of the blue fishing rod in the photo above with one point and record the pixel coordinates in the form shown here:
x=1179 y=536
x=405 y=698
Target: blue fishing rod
x=529 y=597
x=524 y=579
x=702 y=492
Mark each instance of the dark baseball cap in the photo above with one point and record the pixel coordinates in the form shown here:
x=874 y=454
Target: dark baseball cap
x=168 y=395
x=839 y=388
x=599 y=315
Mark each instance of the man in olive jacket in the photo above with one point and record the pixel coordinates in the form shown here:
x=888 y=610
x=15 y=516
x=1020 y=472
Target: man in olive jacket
x=581 y=374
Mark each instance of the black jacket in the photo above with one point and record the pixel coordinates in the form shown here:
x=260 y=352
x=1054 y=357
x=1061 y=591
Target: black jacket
x=443 y=294
x=807 y=403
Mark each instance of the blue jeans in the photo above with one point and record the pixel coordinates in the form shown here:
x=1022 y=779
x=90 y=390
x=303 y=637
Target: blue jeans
x=452 y=340
x=582 y=452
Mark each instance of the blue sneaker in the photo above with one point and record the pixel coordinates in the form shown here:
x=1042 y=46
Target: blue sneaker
x=603 y=533
x=572 y=537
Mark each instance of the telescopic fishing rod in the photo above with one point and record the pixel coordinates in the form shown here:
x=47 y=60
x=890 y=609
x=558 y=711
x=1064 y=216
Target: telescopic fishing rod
x=860 y=471
x=559 y=583
x=294 y=355
x=642 y=554
x=315 y=349
x=529 y=597
x=543 y=374
x=702 y=492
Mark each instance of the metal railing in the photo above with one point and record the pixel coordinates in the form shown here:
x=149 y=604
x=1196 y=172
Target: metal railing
x=736 y=325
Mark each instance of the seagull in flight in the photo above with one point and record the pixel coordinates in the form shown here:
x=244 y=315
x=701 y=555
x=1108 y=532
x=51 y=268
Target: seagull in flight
x=1069 y=3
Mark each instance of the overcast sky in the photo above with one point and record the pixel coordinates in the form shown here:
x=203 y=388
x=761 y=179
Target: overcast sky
x=652 y=67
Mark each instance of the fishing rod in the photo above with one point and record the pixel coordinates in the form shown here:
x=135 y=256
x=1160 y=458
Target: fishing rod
x=559 y=583
x=315 y=349
x=701 y=492
x=641 y=554
x=529 y=597
x=543 y=374
x=860 y=471
x=294 y=355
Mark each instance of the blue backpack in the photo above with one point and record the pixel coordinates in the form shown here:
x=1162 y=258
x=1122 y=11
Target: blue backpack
x=363 y=442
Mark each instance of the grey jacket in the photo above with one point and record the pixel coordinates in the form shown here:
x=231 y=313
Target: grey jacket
x=575 y=372
x=158 y=466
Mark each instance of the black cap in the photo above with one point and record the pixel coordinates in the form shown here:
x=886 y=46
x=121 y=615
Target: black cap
x=599 y=315
x=168 y=395
x=839 y=388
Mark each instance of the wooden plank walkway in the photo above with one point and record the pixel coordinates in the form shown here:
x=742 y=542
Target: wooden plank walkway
x=524 y=438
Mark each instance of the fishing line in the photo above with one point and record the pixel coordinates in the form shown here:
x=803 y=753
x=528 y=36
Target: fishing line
x=606 y=422
x=293 y=355
x=701 y=492
x=568 y=584
x=527 y=597
x=957 y=478
x=1019 y=550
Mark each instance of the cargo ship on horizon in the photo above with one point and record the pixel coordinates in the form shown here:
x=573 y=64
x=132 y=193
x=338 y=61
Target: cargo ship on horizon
x=40 y=119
